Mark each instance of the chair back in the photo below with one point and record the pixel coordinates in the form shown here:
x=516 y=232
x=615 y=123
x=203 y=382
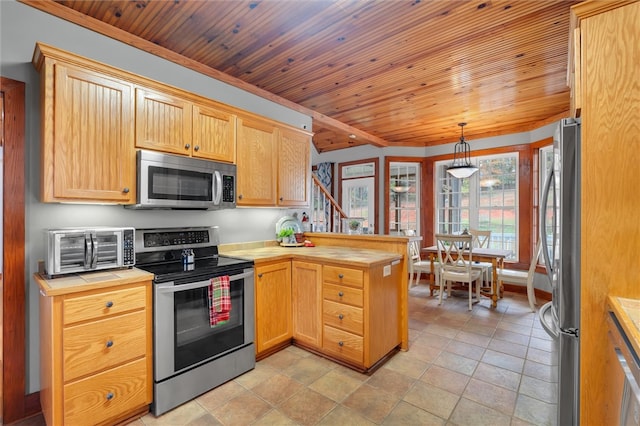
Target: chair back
x=534 y=263
x=455 y=252
x=414 y=250
x=480 y=238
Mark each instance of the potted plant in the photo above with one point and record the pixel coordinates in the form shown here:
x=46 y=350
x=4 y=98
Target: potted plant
x=286 y=236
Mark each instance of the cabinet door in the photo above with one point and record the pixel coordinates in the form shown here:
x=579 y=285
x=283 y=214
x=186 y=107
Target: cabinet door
x=163 y=122
x=88 y=155
x=214 y=133
x=294 y=169
x=257 y=162
x=273 y=305
x=307 y=302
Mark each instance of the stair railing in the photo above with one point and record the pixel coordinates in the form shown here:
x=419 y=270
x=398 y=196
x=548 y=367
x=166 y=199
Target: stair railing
x=326 y=213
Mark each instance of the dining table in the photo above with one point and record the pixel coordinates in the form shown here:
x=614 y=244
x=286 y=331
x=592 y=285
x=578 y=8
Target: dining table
x=478 y=254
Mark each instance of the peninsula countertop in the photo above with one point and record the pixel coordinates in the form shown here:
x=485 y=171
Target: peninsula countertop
x=353 y=256
x=627 y=312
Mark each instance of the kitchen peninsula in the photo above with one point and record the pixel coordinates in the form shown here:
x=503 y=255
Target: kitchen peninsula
x=345 y=298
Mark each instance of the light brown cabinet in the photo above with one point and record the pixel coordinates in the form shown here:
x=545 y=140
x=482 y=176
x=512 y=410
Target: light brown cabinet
x=87 y=131
x=177 y=125
x=273 y=164
x=307 y=303
x=610 y=110
x=273 y=306
x=96 y=359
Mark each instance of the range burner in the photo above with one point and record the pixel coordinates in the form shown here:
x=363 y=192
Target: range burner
x=160 y=252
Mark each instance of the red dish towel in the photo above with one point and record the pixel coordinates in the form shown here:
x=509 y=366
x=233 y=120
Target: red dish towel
x=219 y=300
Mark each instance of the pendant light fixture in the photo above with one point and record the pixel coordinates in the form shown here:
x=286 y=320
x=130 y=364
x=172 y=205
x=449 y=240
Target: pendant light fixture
x=461 y=166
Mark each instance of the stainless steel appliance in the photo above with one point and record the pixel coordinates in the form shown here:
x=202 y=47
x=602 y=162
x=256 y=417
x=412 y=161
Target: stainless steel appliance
x=167 y=181
x=192 y=356
x=629 y=364
x=72 y=250
x=560 y=236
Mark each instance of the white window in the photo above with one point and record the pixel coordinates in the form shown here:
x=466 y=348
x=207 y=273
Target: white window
x=358 y=192
x=404 y=197
x=488 y=200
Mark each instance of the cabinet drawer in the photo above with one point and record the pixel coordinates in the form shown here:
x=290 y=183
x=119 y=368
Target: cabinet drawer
x=97 y=345
x=87 y=402
x=103 y=304
x=345 y=345
x=344 y=317
x=340 y=275
x=343 y=294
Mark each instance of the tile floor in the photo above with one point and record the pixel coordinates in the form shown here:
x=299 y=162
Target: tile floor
x=480 y=367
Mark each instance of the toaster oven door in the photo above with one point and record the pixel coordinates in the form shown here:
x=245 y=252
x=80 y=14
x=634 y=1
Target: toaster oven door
x=78 y=251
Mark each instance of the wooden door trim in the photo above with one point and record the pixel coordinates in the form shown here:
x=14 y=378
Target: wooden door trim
x=16 y=404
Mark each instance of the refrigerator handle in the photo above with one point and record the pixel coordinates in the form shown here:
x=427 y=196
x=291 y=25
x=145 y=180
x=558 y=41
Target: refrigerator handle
x=543 y=222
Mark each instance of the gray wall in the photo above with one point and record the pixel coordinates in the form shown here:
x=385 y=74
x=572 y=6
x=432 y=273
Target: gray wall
x=22 y=26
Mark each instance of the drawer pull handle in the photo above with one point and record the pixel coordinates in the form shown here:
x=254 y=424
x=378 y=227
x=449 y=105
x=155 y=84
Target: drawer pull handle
x=196 y=148
x=340 y=343
x=187 y=146
x=109 y=343
x=341 y=316
x=340 y=294
x=340 y=276
x=110 y=396
x=125 y=190
x=109 y=304
x=259 y=275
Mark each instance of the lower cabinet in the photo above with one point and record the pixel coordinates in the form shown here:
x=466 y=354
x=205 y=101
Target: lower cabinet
x=307 y=303
x=273 y=306
x=96 y=360
x=349 y=314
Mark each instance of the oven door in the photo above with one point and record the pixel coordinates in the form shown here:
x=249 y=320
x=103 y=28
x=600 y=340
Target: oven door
x=183 y=335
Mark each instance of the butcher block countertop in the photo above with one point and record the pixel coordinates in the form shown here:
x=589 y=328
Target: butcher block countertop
x=344 y=255
x=627 y=312
x=74 y=283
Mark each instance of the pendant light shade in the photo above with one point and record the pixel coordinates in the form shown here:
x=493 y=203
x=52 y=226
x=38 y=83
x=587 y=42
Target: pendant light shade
x=461 y=166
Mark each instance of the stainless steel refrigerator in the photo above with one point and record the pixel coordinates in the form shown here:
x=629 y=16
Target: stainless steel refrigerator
x=560 y=236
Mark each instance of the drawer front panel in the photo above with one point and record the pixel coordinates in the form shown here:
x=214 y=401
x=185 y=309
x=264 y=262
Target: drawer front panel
x=344 y=317
x=101 y=344
x=106 y=395
x=343 y=294
x=343 y=345
x=340 y=275
x=101 y=305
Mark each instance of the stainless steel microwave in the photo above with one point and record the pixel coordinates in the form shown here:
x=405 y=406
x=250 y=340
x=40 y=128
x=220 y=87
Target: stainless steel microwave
x=73 y=250
x=166 y=181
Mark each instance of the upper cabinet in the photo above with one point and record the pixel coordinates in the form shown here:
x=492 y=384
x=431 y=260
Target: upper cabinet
x=177 y=125
x=273 y=164
x=87 y=132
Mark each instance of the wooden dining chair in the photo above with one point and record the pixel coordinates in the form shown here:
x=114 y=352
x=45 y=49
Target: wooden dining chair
x=455 y=255
x=481 y=240
x=523 y=277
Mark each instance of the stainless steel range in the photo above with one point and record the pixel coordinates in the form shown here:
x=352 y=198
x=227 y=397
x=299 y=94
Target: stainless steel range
x=197 y=345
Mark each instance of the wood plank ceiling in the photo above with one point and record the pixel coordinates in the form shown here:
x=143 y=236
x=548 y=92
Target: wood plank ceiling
x=392 y=72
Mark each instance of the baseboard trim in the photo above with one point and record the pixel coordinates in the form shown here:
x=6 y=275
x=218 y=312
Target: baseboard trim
x=540 y=294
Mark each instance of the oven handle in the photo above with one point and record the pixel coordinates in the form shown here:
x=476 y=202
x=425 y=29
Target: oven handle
x=170 y=288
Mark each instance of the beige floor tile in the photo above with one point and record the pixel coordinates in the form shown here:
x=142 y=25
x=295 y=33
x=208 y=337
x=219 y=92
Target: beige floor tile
x=256 y=376
x=307 y=407
x=483 y=329
x=182 y=415
x=446 y=379
x=441 y=330
x=467 y=350
x=473 y=338
x=432 y=399
x=433 y=340
x=243 y=409
x=391 y=381
x=470 y=413
x=335 y=385
x=342 y=415
x=372 y=403
x=500 y=359
x=423 y=352
x=539 y=389
x=514 y=328
x=542 y=357
x=274 y=417
x=492 y=396
x=543 y=344
x=512 y=337
x=508 y=348
x=498 y=376
x=277 y=389
x=456 y=363
x=218 y=396
x=540 y=334
x=308 y=370
x=281 y=360
x=535 y=411
x=545 y=372
x=405 y=364
x=406 y=414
